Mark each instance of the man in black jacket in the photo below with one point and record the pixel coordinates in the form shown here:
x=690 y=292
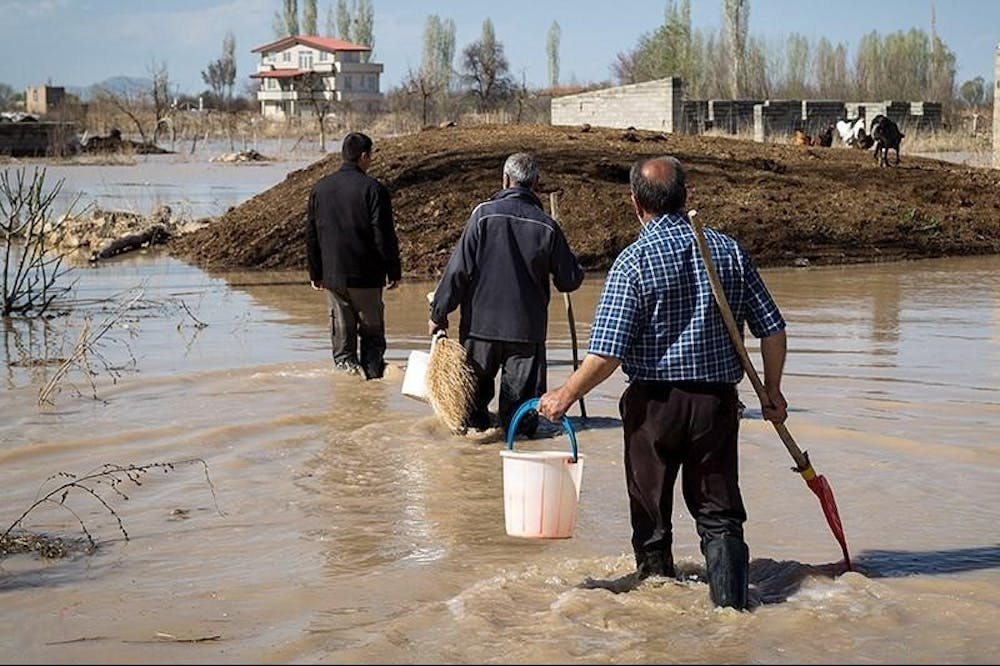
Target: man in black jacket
x=353 y=252
x=499 y=275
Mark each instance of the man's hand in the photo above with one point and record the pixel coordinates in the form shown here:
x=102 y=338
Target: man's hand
x=433 y=327
x=777 y=410
x=317 y=284
x=554 y=404
x=392 y=284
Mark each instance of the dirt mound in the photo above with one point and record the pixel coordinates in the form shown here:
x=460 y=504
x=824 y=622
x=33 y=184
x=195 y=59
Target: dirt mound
x=787 y=204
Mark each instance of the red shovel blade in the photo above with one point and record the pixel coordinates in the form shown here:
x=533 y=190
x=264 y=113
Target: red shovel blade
x=818 y=484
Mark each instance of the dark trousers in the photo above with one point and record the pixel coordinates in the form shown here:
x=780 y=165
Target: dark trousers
x=685 y=427
x=522 y=376
x=358 y=314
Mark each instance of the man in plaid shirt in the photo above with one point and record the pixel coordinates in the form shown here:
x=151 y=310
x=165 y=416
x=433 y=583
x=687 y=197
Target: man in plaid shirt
x=657 y=319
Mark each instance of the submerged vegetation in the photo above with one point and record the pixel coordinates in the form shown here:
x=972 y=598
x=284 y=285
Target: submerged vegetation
x=103 y=485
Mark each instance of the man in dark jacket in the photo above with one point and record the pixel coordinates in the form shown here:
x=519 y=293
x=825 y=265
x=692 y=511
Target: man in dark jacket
x=499 y=275
x=353 y=252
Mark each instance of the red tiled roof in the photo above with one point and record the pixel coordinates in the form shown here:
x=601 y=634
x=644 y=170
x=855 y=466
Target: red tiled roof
x=279 y=74
x=322 y=43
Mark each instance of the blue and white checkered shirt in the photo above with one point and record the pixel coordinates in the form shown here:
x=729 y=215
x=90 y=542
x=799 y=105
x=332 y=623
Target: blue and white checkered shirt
x=657 y=313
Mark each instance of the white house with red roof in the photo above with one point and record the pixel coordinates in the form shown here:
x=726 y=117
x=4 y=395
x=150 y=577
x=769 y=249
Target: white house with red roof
x=301 y=74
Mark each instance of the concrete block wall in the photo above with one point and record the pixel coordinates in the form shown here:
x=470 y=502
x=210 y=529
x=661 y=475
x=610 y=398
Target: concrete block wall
x=818 y=114
x=895 y=110
x=660 y=106
x=923 y=115
x=652 y=105
x=776 y=117
x=732 y=116
x=695 y=117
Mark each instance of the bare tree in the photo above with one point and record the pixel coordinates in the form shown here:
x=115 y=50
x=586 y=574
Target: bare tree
x=221 y=77
x=291 y=15
x=439 y=52
x=735 y=18
x=309 y=17
x=163 y=103
x=364 y=28
x=485 y=68
x=286 y=22
x=343 y=20
x=130 y=100
x=941 y=75
x=313 y=88
x=6 y=96
x=667 y=51
x=30 y=269
x=832 y=80
x=868 y=66
x=425 y=88
x=797 y=59
x=552 y=51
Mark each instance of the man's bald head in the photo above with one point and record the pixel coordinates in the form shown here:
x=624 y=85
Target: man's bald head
x=659 y=185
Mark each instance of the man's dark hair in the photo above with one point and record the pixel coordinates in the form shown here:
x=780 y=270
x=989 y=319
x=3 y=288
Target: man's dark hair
x=354 y=146
x=660 y=196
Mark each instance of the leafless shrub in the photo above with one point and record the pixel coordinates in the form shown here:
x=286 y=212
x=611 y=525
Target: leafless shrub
x=103 y=485
x=31 y=269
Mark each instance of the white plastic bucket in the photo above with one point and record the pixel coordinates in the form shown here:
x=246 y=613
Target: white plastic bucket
x=415 y=378
x=541 y=489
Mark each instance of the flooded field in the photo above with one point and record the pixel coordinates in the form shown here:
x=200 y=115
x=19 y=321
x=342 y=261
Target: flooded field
x=336 y=520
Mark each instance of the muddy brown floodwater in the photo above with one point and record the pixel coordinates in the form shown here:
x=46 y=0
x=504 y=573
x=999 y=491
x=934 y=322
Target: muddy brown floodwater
x=344 y=524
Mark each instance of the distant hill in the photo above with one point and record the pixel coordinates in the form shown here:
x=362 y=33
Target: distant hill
x=116 y=84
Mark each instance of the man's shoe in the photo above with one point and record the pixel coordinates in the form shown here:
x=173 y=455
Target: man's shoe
x=654 y=563
x=347 y=367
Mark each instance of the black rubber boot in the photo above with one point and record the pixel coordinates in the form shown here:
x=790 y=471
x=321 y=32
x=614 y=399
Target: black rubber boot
x=654 y=563
x=728 y=562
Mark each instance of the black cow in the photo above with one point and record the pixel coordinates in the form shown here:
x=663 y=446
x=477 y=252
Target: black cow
x=887 y=136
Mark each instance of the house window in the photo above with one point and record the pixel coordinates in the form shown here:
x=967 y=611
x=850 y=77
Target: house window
x=305 y=60
x=348 y=82
x=323 y=56
x=286 y=56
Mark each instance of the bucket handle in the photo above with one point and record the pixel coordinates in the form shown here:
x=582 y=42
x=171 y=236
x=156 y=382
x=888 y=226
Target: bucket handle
x=524 y=409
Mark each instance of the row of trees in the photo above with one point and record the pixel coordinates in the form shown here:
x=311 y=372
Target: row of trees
x=726 y=63
x=354 y=23
x=733 y=63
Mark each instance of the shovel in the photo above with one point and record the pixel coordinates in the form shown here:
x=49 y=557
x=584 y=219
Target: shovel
x=816 y=482
x=554 y=209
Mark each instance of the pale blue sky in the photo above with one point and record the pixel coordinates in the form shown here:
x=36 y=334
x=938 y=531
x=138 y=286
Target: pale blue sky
x=80 y=42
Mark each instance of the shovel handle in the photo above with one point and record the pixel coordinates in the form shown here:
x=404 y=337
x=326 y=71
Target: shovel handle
x=801 y=459
x=554 y=211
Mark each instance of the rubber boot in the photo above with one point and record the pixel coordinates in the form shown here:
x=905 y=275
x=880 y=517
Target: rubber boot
x=728 y=562
x=654 y=563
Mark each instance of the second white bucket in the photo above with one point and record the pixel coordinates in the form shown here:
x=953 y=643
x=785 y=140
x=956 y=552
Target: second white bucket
x=415 y=377
x=541 y=489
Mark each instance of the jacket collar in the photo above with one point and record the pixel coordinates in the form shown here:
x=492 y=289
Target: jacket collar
x=518 y=192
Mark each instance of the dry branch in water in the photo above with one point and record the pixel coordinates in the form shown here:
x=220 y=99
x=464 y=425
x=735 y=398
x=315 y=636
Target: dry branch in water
x=86 y=347
x=102 y=485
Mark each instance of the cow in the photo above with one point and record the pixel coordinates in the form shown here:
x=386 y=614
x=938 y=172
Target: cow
x=887 y=136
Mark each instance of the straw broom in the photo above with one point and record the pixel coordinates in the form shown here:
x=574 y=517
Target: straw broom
x=450 y=380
